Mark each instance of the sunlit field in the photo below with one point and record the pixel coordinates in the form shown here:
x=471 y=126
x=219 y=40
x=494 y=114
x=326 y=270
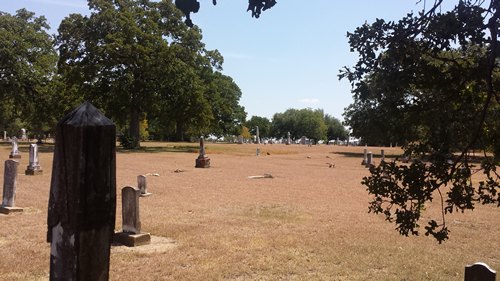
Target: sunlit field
x=309 y=222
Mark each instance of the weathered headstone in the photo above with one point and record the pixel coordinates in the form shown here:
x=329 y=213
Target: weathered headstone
x=202 y=161
x=131 y=223
x=303 y=140
x=142 y=184
x=479 y=272
x=34 y=167
x=365 y=156
x=288 y=139
x=24 y=136
x=382 y=155
x=9 y=188
x=82 y=202
x=14 y=153
x=369 y=159
x=240 y=139
x=257 y=134
x=4 y=135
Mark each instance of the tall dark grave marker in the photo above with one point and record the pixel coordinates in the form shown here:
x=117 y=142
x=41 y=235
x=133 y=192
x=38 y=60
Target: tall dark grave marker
x=82 y=203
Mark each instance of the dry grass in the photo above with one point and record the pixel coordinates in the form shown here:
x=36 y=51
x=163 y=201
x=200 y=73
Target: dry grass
x=309 y=222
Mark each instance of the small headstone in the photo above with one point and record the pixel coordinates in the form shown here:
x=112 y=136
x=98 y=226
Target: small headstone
x=382 y=155
x=365 y=157
x=202 y=161
x=14 y=153
x=23 y=134
x=257 y=134
x=142 y=184
x=4 y=135
x=257 y=151
x=369 y=159
x=288 y=139
x=9 y=188
x=303 y=140
x=479 y=272
x=33 y=168
x=131 y=223
x=240 y=139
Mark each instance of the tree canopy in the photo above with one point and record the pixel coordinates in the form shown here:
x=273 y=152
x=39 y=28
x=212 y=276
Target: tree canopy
x=27 y=67
x=193 y=6
x=430 y=82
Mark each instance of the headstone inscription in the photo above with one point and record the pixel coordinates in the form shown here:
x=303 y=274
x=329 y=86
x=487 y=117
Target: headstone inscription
x=202 y=161
x=479 y=272
x=9 y=188
x=14 y=153
x=131 y=235
x=82 y=202
x=34 y=167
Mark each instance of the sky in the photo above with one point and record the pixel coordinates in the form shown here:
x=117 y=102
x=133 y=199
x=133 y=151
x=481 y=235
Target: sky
x=288 y=58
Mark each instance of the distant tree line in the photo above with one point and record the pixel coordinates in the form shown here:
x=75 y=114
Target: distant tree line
x=313 y=124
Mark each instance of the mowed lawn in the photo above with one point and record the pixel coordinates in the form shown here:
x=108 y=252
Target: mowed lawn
x=309 y=222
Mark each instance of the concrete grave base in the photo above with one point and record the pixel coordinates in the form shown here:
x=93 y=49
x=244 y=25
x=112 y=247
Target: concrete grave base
x=29 y=172
x=8 y=210
x=131 y=239
x=203 y=162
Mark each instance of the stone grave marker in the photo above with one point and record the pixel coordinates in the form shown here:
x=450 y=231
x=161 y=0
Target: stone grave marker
x=34 y=167
x=240 y=139
x=303 y=140
x=288 y=139
x=479 y=272
x=24 y=136
x=365 y=157
x=257 y=134
x=382 y=155
x=131 y=235
x=202 y=161
x=142 y=184
x=14 y=153
x=82 y=202
x=9 y=188
x=369 y=159
x=4 y=135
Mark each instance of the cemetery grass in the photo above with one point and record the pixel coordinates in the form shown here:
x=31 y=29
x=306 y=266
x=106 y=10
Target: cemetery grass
x=308 y=222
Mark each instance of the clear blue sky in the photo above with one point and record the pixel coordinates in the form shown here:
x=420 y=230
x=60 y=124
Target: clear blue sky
x=288 y=58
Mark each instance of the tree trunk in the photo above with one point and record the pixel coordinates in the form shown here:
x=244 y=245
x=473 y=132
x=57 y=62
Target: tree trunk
x=179 y=131
x=134 y=130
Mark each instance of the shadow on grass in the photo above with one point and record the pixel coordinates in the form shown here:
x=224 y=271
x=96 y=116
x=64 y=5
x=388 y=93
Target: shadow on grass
x=361 y=154
x=159 y=149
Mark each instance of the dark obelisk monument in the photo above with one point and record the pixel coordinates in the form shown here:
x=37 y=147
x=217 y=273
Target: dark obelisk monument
x=82 y=203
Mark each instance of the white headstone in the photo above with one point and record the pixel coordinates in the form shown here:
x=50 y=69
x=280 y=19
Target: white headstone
x=257 y=135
